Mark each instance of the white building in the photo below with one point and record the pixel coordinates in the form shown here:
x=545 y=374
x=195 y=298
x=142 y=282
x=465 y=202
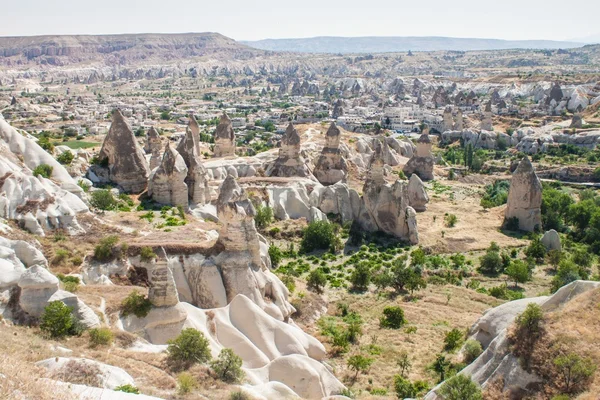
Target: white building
x=402 y=118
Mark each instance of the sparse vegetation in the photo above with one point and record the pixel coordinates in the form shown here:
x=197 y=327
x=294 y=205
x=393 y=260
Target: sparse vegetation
x=43 y=170
x=137 y=304
x=101 y=337
x=190 y=347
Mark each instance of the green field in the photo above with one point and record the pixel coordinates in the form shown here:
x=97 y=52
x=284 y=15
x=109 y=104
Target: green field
x=78 y=144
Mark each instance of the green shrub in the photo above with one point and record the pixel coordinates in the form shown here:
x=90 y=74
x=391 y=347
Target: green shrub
x=393 y=317
x=530 y=321
x=450 y=220
x=137 y=304
x=104 y=250
x=228 y=366
x=317 y=280
x=536 y=250
x=359 y=363
x=319 y=235
x=361 y=276
x=263 y=217
x=188 y=348
x=460 y=387
x=453 y=339
x=239 y=395
x=518 y=271
x=101 y=337
x=404 y=388
x=511 y=224
x=275 y=254
x=491 y=262
x=65 y=158
x=103 y=199
x=495 y=194
x=147 y=254
x=472 y=350
x=186 y=383
x=574 y=371
x=43 y=170
x=71 y=286
x=127 y=389
x=57 y=320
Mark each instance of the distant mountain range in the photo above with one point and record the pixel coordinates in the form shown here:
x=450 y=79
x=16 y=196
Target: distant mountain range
x=382 y=44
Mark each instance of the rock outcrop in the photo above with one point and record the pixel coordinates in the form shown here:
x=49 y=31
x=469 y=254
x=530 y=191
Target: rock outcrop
x=126 y=164
x=167 y=182
x=525 y=197
x=417 y=195
x=385 y=207
x=551 y=240
x=576 y=121
x=224 y=138
x=289 y=162
x=153 y=147
x=486 y=122
x=38 y=204
x=331 y=166
x=421 y=163
x=197 y=178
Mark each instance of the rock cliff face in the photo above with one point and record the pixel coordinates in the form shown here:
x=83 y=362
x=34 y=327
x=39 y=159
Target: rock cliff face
x=385 y=207
x=224 y=138
x=421 y=163
x=36 y=203
x=525 y=197
x=289 y=162
x=167 y=182
x=331 y=166
x=486 y=123
x=196 y=179
x=127 y=166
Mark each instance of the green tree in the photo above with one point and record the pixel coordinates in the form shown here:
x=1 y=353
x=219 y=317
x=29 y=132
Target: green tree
x=137 y=304
x=361 y=276
x=393 y=317
x=228 y=366
x=518 y=271
x=263 y=217
x=453 y=339
x=460 y=387
x=403 y=387
x=317 y=280
x=103 y=199
x=473 y=350
x=275 y=254
x=404 y=364
x=530 y=320
x=490 y=263
x=190 y=347
x=359 y=363
x=536 y=250
x=469 y=156
x=319 y=235
x=574 y=371
x=440 y=366
x=57 y=319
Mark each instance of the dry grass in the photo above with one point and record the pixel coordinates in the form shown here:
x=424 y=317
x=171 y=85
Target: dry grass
x=79 y=372
x=21 y=380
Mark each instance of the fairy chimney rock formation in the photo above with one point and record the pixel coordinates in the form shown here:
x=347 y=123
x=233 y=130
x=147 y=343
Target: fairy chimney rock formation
x=289 y=162
x=331 y=167
x=458 y=120
x=448 y=122
x=167 y=182
x=224 y=138
x=385 y=207
x=154 y=147
x=417 y=195
x=486 y=123
x=127 y=165
x=525 y=197
x=197 y=178
x=163 y=290
x=421 y=163
x=577 y=121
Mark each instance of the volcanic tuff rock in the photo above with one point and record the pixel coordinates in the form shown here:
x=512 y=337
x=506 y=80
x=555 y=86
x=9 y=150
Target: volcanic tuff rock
x=486 y=123
x=525 y=197
x=289 y=162
x=127 y=166
x=421 y=163
x=153 y=146
x=385 y=207
x=417 y=195
x=36 y=203
x=576 y=121
x=224 y=138
x=166 y=184
x=196 y=179
x=551 y=240
x=331 y=166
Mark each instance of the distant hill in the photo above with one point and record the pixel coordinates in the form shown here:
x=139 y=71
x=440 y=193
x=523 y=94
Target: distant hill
x=120 y=49
x=375 y=44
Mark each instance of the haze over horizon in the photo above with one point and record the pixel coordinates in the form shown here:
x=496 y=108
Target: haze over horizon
x=515 y=20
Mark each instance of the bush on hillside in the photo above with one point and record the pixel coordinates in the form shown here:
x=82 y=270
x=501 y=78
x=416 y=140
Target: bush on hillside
x=190 y=347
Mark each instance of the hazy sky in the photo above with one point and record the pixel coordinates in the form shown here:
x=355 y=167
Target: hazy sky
x=259 y=19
